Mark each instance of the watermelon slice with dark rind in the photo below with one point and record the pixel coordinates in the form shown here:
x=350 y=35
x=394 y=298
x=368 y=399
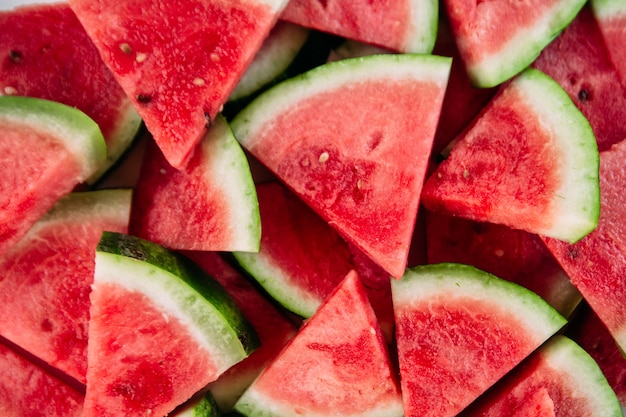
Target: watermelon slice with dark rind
x=210 y=204
x=50 y=56
x=363 y=177
x=596 y=264
x=178 y=60
x=459 y=330
x=337 y=365
x=498 y=40
x=47 y=149
x=48 y=274
x=611 y=16
x=563 y=370
x=29 y=390
x=530 y=161
x=160 y=329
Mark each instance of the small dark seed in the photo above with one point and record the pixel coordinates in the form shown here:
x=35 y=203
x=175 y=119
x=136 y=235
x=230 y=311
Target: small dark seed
x=144 y=98
x=209 y=122
x=583 y=94
x=15 y=56
x=572 y=252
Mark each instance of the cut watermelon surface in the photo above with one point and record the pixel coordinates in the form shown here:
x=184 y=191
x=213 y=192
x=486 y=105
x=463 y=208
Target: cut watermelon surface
x=530 y=161
x=46 y=149
x=210 y=204
x=48 y=274
x=498 y=40
x=337 y=365
x=458 y=331
x=143 y=298
x=49 y=56
x=611 y=16
x=178 y=60
x=352 y=139
x=406 y=26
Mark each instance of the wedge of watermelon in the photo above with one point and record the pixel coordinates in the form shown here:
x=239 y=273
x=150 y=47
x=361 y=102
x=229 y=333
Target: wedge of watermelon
x=47 y=277
x=46 y=149
x=178 y=60
x=403 y=26
x=611 y=15
x=210 y=204
x=50 y=56
x=458 y=331
x=27 y=389
x=530 y=161
x=578 y=60
x=352 y=138
x=560 y=374
x=337 y=365
x=498 y=40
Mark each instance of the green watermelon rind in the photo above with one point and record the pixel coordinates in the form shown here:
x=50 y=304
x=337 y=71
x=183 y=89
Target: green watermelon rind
x=442 y=283
x=577 y=201
x=518 y=53
x=586 y=379
x=330 y=76
x=198 y=406
x=424 y=18
x=226 y=160
x=606 y=9
x=78 y=132
x=182 y=288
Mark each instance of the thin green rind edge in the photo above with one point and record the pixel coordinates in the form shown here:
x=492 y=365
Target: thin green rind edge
x=605 y=9
x=450 y=279
x=331 y=75
x=425 y=23
x=578 y=200
x=566 y=355
x=80 y=134
x=519 y=55
x=229 y=162
x=192 y=278
x=104 y=202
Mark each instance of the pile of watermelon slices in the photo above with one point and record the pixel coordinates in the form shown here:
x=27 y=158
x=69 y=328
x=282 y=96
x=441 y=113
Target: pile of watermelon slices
x=411 y=208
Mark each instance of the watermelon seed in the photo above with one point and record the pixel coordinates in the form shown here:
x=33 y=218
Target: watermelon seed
x=8 y=90
x=141 y=56
x=215 y=57
x=144 y=98
x=124 y=47
x=323 y=157
x=198 y=81
x=583 y=94
x=209 y=122
x=15 y=56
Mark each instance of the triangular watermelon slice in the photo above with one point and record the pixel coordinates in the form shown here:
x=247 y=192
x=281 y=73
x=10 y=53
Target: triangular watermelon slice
x=210 y=204
x=178 y=60
x=611 y=16
x=46 y=149
x=47 y=277
x=160 y=329
x=352 y=138
x=458 y=331
x=529 y=161
x=400 y=25
x=337 y=365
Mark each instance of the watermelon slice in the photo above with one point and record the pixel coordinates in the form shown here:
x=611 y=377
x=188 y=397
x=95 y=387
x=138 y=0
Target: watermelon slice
x=160 y=330
x=46 y=149
x=352 y=138
x=459 y=330
x=50 y=56
x=47 y=276
x=403 y=26
x=27 y=389
x=560 y=373
x=611 y=15
x=498 y=40
x=578 y=60
x=210 y=204
x=596 y=265
x=178 y=60
x=530 y=162
x=337 y=365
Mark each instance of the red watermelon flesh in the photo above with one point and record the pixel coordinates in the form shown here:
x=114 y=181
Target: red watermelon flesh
x=47 y=54
x=578 y=60
x=611 y=16
x=274 y=328
x=47 y=276
x=337 y=364
x=512 y=254
x=597 y=264
x=29 y=390
x=177 y=60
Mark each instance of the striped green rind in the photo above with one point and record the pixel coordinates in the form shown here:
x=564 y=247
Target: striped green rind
x=180 y=287
x=441 y=283
x=199 y=406
x=77 y=131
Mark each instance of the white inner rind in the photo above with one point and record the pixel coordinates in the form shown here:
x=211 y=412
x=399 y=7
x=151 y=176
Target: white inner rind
x=228 y=163
x=421 y=37
x=177 y=300
x=607 y=9
x=577 y=201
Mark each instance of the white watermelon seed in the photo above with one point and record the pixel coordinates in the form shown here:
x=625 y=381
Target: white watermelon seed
x=323 y=157
x=124 y=47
